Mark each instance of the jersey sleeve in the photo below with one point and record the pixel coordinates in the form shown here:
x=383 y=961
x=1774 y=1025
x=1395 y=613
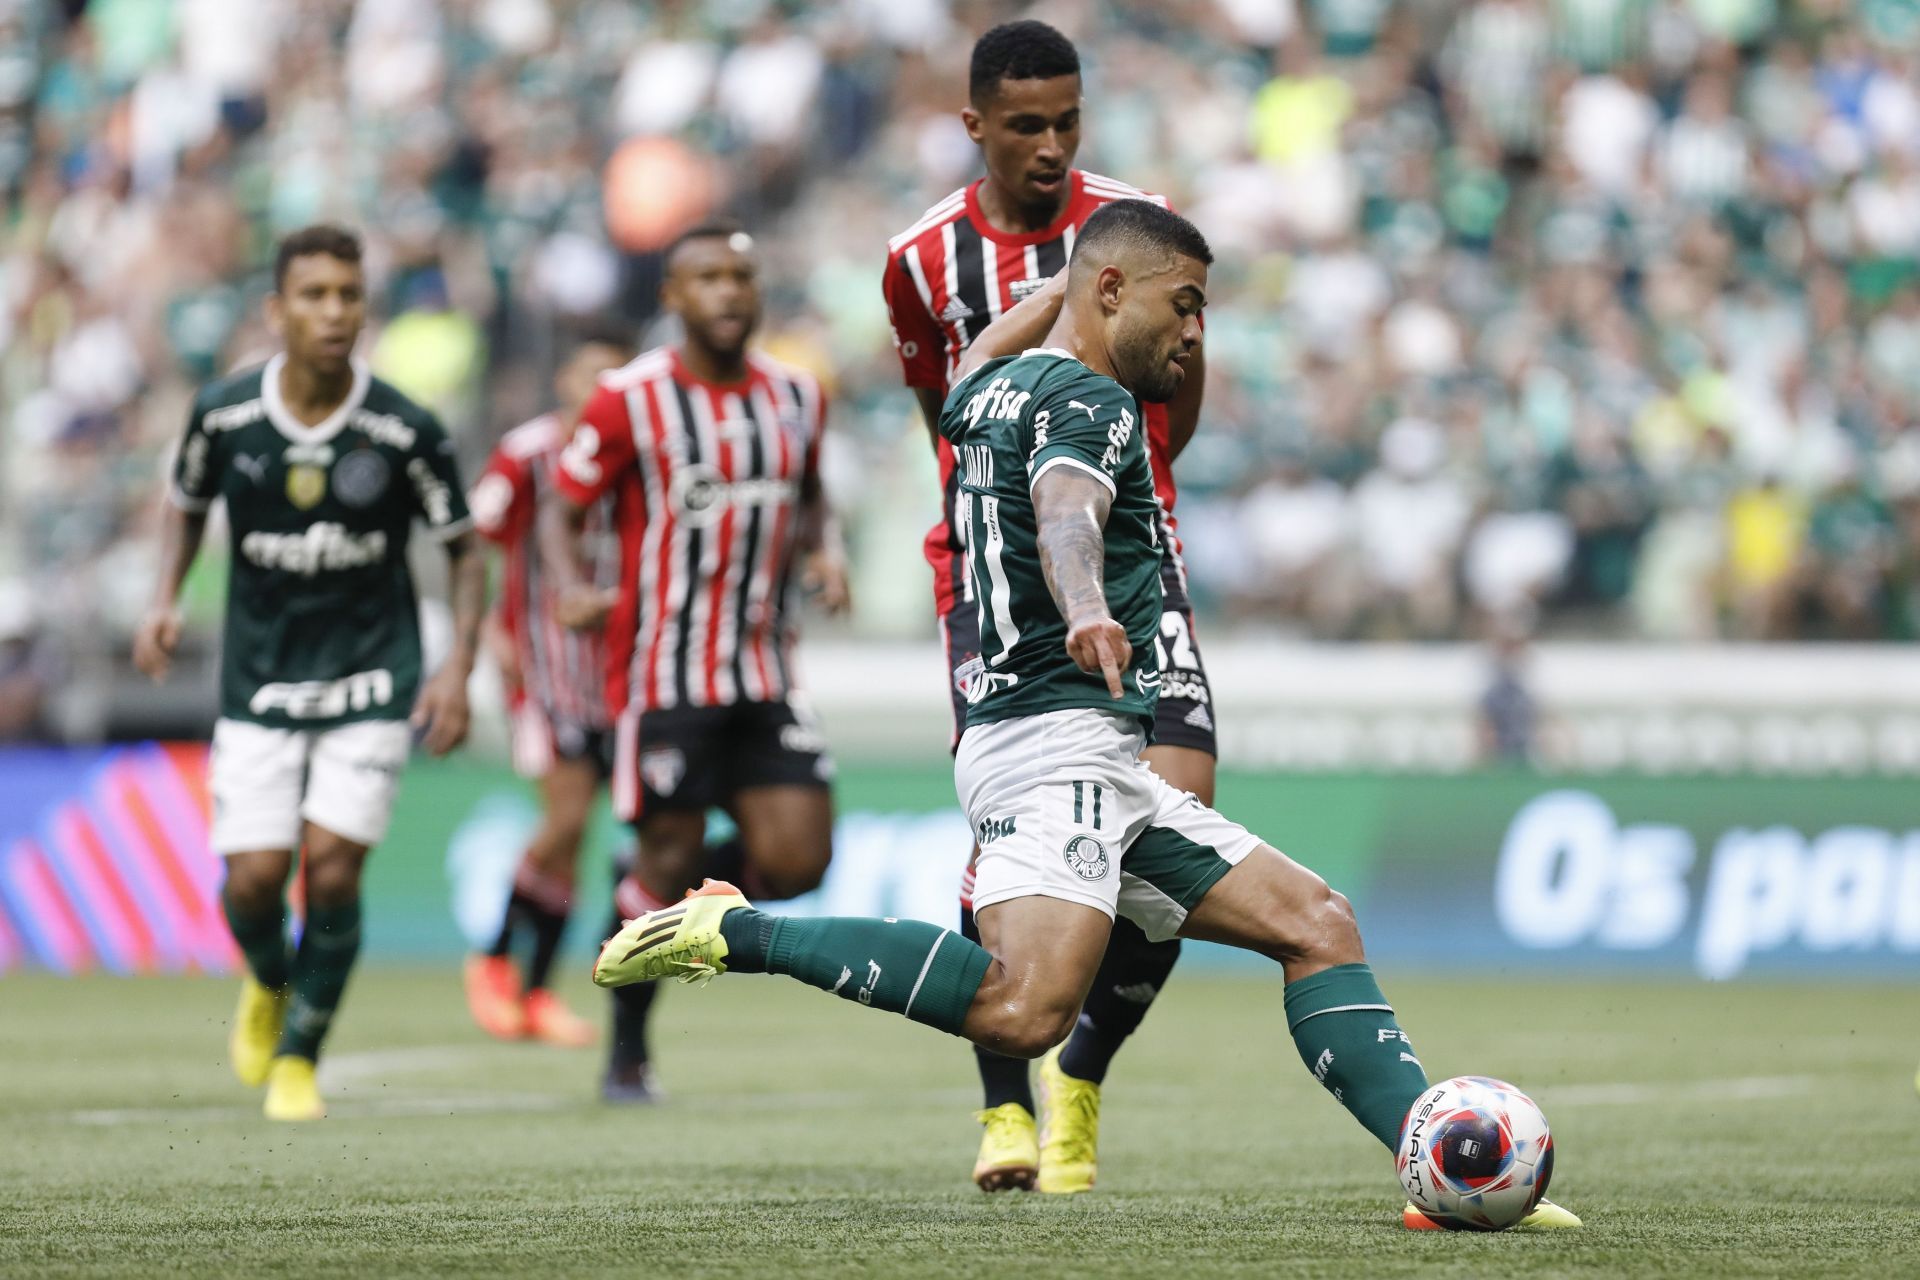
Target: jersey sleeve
x=196 y=481
x=1082 y=423
x=916 y=335
x=438 y=497
x=502 y=500
x=818 y=434
x=601 y=451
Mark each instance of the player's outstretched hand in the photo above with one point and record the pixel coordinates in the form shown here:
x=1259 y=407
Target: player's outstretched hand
x=155 y=640
x=1100 y=644
x=441 y=710
x=824 y=576
x=584 y=608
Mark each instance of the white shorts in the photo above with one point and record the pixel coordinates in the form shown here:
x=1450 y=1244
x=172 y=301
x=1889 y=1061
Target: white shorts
x=1063 y=807
x=266 y=781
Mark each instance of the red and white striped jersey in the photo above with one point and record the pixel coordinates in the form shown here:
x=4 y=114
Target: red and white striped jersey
x=561 y=670
x=709 y=479
x=949 y=276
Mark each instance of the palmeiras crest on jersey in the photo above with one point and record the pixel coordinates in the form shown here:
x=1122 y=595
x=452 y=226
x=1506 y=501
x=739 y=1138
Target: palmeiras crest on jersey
x=662 y=769
x=1088 y=857
x=361 y=478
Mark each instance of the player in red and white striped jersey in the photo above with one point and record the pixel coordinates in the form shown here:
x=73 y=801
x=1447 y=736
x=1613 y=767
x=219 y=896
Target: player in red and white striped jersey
x=972 y=256
x=556 y=690
x=712 y=452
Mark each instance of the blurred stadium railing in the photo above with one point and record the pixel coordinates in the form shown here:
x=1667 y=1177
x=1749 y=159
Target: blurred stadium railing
x=1715 y=812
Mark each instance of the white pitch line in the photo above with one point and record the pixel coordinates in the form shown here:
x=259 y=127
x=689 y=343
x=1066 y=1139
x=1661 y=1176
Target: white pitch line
x=1727 y=1089
x=364 y=1065
x=344 y=1110
x=377 y=1064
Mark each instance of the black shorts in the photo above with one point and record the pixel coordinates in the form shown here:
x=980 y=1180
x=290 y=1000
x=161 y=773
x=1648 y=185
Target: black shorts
x=698 y=757
x=1182 y=718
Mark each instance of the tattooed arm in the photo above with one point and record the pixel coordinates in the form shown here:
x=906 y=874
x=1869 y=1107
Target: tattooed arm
x=1070 y=508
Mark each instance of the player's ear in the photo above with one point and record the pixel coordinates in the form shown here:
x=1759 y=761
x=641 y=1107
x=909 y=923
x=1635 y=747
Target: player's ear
x=276 y=315
x=976 y=124
x=1110 y=284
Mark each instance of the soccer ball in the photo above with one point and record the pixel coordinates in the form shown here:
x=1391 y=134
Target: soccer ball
x=1475 y=1154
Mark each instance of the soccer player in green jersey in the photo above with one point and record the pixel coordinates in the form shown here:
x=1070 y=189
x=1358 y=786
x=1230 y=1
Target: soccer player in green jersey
x=1063 y=549
x=1064 y=553
x=324 y=470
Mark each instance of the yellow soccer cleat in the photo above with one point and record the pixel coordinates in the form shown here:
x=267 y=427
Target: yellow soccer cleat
x=681 y=941
x=256 y=1030
x=1009 y=1157
x=292 y=1092
x=1546 y=1216
x=1070 y=1134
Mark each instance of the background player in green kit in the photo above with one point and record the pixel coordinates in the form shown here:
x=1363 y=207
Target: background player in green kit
x=324 y=470
x=1074 y=827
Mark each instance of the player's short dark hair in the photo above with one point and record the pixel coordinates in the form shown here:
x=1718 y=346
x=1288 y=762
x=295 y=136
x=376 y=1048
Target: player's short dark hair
x=714 y=229
x=1140 y=224
x=1025 y=50
x=599 y=331
x=321 y=237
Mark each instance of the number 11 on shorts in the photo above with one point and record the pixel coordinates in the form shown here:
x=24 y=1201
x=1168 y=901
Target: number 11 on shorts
x=1080 y=799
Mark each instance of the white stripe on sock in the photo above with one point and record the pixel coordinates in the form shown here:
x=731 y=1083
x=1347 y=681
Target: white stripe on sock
x=1343 y=1008
x=915 y=993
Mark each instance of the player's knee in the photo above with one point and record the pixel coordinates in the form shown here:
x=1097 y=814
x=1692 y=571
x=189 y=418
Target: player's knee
x=1032 y=1034
x=252 y=890
x=333 y=878
x=334 y=887
x=800 y=870
x=1332 y=934
x=667 y=866
x=1021 y=1028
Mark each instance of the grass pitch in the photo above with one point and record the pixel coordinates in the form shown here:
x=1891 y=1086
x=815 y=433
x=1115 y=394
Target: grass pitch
x=1729 y=1131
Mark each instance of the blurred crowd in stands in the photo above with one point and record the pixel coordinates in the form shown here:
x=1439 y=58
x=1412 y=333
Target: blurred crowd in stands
x=1597 y=317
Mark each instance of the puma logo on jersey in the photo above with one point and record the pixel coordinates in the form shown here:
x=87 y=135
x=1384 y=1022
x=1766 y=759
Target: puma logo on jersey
x=254 y=469
x=1080 y=404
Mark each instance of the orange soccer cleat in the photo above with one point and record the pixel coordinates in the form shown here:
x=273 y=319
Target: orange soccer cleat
x=549 y=1021
x=493 y=996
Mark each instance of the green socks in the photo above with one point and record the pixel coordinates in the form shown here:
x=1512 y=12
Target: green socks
x=1344 y=1029
x=320 y=968
x=262 y=939
x=909 y=967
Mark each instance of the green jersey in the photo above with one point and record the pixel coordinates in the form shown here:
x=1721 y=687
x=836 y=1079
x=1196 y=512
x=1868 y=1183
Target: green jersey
x=322 y=627
x=1011 y=421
